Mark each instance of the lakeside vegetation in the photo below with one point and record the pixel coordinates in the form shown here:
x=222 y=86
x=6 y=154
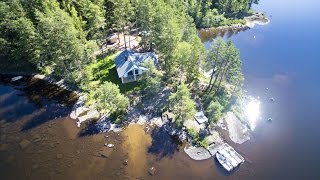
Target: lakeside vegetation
x=61 y=38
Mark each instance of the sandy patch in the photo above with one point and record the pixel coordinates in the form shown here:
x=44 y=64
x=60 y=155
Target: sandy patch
x=136 y=144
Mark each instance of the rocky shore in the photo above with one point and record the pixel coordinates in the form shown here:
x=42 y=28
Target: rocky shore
x=251 y=21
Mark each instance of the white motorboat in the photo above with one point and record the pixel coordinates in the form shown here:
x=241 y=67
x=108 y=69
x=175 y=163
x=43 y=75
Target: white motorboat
x=224 y=162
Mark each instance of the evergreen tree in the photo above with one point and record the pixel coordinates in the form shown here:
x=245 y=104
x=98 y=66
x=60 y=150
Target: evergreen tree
x=17 y=35
x=181 y=104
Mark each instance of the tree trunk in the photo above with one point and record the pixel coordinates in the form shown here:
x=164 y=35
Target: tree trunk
x=129 y=37
x=124 y=37
x=219 y=71
x=211 y=78
x=235 y=88
x=118 y=38
x=221 y=77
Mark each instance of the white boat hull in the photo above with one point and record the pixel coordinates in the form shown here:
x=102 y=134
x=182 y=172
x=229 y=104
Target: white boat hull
x=224 y=162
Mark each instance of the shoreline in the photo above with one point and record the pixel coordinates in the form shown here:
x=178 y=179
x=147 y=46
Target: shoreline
x=251 y=21
x=105 y=125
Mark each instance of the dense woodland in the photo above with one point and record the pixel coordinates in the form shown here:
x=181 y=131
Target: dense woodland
x=60 y=37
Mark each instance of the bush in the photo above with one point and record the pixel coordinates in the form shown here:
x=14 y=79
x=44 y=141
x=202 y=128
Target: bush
x=118 y=117
x=197 y=139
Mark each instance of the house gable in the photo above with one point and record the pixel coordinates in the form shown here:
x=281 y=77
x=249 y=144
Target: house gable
x=128 y=60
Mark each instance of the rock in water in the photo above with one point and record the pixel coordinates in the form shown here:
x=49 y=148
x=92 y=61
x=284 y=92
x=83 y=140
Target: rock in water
x=4 y=147
x=59 y=156
x=35 y=166
x=16 y=78
x=152 y=171
x=109 y=145
x=125 y=162
x=105 y=152
x=24 y=144
x=270 y=119
x=272 y=99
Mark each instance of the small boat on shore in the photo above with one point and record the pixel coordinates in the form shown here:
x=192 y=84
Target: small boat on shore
x=16 y=78
x=228 y=157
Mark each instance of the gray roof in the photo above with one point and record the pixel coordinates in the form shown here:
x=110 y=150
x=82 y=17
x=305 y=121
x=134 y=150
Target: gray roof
x=128 y=59
x=200 y=117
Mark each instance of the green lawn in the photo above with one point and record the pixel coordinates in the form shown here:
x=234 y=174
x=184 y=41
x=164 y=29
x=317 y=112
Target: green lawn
x=104 y=69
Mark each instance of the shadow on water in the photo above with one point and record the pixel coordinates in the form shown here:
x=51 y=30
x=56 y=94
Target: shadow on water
x=93 y=128
x=29 y=95
x=51 y=112
x=163 y=144
x=210 y=34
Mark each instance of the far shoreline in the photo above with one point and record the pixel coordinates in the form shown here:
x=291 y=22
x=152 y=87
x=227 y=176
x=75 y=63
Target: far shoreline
x=252 y=20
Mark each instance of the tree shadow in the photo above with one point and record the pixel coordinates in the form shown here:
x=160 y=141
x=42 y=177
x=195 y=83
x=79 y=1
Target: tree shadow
x=162 y=143
x=35 y=99
x=30 y=96
x=51 y=112
x=93 y=128
x=51 y=100
x=13 y=105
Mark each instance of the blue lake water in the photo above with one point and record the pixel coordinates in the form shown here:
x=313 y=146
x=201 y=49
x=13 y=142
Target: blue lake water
x=284 y=57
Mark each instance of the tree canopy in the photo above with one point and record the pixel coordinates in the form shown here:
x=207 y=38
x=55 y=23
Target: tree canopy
x=61 y=37
x=181 y=104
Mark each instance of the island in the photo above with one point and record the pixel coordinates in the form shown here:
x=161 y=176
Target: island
x=137 y=62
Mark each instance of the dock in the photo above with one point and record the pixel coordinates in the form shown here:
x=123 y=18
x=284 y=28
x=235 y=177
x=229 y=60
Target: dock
x=228 y=156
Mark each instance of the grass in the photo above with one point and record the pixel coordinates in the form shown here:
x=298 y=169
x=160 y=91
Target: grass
x=104 y=69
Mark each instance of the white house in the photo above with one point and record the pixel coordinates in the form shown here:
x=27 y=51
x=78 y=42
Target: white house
x=129 y=64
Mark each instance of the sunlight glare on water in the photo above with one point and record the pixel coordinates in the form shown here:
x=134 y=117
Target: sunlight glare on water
x=252 y=112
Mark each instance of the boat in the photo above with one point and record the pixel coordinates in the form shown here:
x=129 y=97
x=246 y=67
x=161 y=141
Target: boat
x=16 y=78
x=224 y=162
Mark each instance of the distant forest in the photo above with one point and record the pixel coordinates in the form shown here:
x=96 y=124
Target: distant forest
x=61 y=36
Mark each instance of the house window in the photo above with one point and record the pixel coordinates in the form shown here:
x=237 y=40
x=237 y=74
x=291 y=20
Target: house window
x=130 y=73
x=136 y=71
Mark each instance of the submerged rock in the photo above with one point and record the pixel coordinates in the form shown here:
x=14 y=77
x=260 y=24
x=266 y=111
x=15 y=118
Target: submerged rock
x=35 y=166
x=3 y=137
x=152 y=171
x=24 y=144
x=59 y=156
x=125 y=162
x=4 y=147
x=109 y=145
x=105 y=152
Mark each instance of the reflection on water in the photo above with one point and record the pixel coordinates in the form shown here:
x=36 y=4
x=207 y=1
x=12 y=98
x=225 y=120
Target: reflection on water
x=252 y=112
x=210 y=34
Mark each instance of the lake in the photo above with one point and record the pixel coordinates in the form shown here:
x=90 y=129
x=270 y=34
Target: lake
x=39 y=141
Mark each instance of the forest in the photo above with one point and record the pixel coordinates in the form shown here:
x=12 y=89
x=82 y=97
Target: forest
x=61 y=37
